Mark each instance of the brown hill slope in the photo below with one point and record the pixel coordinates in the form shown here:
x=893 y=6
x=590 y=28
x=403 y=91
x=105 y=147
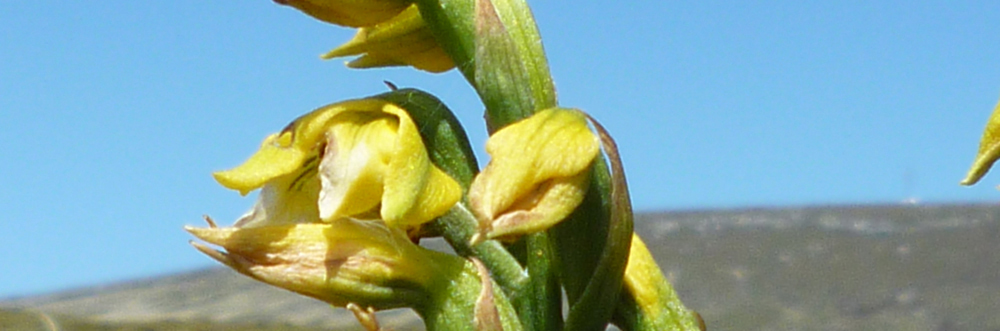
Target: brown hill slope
x=931 y=268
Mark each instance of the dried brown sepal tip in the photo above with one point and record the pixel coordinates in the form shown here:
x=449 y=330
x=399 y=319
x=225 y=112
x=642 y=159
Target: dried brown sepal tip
x=487 y=316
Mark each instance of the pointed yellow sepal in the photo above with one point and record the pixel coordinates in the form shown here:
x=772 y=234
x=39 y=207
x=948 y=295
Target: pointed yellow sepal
x=402 y=40
x=352 y=13
x=341 y=262
x=359 y=158
x=989 y=150
x=538 y=173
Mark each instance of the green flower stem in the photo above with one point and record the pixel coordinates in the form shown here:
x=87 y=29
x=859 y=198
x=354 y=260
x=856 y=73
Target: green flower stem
x=455 y=295
x=541 y=297
x=497 y=48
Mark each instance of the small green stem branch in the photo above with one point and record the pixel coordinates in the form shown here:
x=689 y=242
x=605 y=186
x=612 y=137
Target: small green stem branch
x=458 y=226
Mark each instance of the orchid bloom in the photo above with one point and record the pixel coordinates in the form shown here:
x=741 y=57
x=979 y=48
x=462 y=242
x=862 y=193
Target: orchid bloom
x=359 y=158
x=538 y=174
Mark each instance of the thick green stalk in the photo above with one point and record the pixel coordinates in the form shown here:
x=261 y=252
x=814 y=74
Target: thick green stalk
x=540 y=296
x=497 y=48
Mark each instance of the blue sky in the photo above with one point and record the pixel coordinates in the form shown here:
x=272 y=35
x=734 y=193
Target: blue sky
x=114 y=114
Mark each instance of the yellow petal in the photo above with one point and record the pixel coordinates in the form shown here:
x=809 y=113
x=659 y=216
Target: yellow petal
x=287 y=199
x=274 y=159
x=352 y=13
x=402 y=40
x=537 y=174
x=345 y=160
x=285 y=152
x=555 y=200
x=355 y=163
x=377 y=157
x=416 y=191
x=989 y=150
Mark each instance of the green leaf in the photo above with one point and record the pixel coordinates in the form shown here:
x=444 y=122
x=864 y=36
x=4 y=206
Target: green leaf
x=588 y=307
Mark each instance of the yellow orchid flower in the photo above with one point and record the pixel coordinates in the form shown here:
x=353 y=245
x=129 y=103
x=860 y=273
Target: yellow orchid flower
x=352 y=13
x=538 y=174
x=360 y=158
x=402 y=40
x=341 y=262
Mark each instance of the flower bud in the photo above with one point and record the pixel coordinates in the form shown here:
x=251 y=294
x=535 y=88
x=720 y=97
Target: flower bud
x=538 y=173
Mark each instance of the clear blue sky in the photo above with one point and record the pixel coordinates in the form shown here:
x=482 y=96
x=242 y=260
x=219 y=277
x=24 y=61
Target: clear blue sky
x=114 y=114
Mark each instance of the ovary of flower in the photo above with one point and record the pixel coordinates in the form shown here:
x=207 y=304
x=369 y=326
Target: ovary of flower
x=537 y=174
x=352 y=13
x=359 y=158
x=402 y=40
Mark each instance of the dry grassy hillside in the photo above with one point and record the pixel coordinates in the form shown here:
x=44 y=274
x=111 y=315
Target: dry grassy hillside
x=934 y=268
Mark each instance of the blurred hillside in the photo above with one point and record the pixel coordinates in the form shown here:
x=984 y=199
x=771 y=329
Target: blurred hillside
x=892 y=267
